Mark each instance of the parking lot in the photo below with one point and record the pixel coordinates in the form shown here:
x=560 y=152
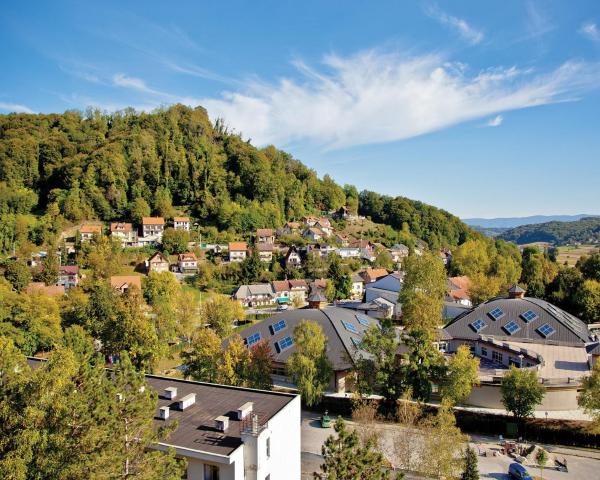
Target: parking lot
x=582 y=464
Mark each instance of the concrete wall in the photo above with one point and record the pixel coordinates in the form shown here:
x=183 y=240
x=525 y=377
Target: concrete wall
x=556 y=398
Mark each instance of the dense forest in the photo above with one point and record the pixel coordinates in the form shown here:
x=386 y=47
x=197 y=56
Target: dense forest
x=586 y=230
x=125 y=165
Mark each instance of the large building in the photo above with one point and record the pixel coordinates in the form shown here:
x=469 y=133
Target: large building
x=528 y=333
x=228 y=433
x=343 y=328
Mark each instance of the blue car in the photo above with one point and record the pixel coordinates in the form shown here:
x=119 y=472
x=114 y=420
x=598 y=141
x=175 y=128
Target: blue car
x=519 y=472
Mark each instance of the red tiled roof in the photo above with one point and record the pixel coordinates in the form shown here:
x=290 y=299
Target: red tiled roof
x=264 y=232
x=41 y=287
x=280 y=285
x=90 y=229
x=372 y=274
x=117 y=281
x=121 y=227
x=153 y=221
x=298 y=283
x=181 y=219
x=187 y=257
x=158 y=257
x=238 y=246
x=69 y=269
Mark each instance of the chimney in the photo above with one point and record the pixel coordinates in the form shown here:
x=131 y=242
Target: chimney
x=163 y=412
x=244 y=410
x=170 y=393
x=187 y=401
x=516 y=292
x=221 y=423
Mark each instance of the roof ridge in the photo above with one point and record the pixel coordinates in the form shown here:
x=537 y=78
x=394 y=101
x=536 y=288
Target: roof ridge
x=339 y=336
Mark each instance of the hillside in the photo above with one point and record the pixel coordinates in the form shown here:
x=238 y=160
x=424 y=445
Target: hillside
x=127 y=164
x=512 y=222
x=586 y=230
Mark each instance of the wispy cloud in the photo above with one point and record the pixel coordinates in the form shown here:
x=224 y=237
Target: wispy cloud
x=495 y=122
x=15 y=107
x=590 y=30
x=538 y=21
x=459 y=25
x=375 y=97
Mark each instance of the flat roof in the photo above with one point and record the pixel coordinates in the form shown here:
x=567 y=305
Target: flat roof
x=196 y=424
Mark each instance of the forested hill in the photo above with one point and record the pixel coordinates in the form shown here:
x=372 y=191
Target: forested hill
x=125 y=165
x=586 y=230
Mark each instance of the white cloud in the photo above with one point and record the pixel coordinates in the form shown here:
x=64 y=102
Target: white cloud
x=590 y=30
x=15 y=107
x=495 y=122
x=122 y=80
x=375 y=97
x=469 y=33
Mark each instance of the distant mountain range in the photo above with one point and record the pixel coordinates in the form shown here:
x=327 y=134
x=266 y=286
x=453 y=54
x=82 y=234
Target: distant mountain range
x=512 y=222
x=585 y=230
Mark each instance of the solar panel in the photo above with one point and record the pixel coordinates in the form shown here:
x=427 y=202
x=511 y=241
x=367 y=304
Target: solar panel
x=496 y=313
x=252 y=339
x=356 y=342
x=350 y=327
x=284 y=343
x=362 y=320
x=478 y=325
x=529 y=316
x=280 y=325
x=511 y=327
x=546 y=330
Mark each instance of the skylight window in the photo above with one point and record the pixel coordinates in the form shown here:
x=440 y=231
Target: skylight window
x=278 y=326
x=496 y=313
x=511 y=327
x=363 y=320
x=546 y=330
x=529 y=316
x=478 y=325
x=252 y=339
x=284 y=343
x=356 y=342
x=351 y=328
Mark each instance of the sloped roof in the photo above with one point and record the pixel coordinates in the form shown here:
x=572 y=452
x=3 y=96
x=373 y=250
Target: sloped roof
x=264 y=232
x=69 y=269
x=181 y=219
x=373 y=274
x=245 y=291
x=118 y=281
x=90 y=229
x=298 y=283
x=568 y=329
x=516 y=289
x=187 y=257
x=341 y=349
x=460 y=283
x=153 y=221
x=41 y=287
x=265 y=247
x=238 y=246
x=121 y=227
x=158 y=257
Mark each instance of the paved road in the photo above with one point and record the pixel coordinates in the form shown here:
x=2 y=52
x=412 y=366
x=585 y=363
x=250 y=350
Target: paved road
x=582 y=464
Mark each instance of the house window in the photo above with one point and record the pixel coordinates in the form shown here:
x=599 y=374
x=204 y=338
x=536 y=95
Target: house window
x=268 y=447
x=484 y=352
x=211 y=472
x=496 y=356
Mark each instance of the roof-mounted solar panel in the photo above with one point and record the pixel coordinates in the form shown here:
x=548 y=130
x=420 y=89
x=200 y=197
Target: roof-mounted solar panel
x=496 y=313
x=511 y=327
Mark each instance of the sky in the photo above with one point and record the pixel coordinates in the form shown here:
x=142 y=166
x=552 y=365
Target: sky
x=484 y=109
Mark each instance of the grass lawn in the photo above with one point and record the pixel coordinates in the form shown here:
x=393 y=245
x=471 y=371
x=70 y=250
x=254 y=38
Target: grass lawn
x=572 y=254
x=166 y=365
x=242 y=327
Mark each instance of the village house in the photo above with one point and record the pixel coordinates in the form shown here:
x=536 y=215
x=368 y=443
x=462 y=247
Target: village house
x=265 y=252
x=348 y=252
x=294 y=291
x=68 y=276
x=265 y=235
x=399 y=252
x=187 y=262
x=324 y=225
x=124 y=232
x=181 y=223
x=123 y=283
x=293 y=258
x=322 y=249
x=309 y=221
x=314 y=234
x=259 y=294
x=290 y=228
x=370 y=275
x=358 y=287
x=342 y=240
x=87 y=232
x=153 y=227
x=157 y=263
x=238 y=251
x=458 y=290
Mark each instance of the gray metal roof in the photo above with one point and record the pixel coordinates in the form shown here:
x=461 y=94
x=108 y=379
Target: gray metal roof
x=567 y=328
x=341 y=349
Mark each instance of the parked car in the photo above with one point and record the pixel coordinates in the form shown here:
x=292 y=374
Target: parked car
x=519 y=472
x=282 y=306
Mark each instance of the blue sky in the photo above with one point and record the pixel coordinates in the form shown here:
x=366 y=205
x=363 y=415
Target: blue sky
x=482 y=108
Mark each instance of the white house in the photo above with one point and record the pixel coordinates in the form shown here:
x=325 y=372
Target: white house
x=124 y=232
x=237 y=251
x=187 y=262
x=153 y=227
x=181 y=223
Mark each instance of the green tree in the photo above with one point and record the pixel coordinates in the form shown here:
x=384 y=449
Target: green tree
x=259 y=368
x=541 y=459
x=589 y=398
x=18 y=274
x=175 y=241
x=234 y=364
x=252 y=267
x=50 y=268
x=309 y=367
x=219 y=312
x=423 y=363
x=521 y=392
x=340 y=279
x=462 y=373
x=590 y=266
x=346 y=458
x=384 y=260
x=588 y=301
x=470 y=470
x=139 y=209
x=203 y=358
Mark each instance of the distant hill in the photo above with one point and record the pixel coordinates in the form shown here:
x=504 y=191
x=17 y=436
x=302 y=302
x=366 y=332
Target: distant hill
x=511 y=222
x=489 y=231
x=585 y=230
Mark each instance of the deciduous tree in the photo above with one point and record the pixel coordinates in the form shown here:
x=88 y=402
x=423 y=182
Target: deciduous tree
x=521 y=392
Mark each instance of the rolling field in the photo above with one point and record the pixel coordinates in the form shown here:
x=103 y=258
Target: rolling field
x=572 y=254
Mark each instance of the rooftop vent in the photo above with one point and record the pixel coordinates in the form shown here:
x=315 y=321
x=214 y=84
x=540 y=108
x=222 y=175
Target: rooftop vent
x=244 y=410
x=187 y=401
x=221 y=423
x=170 y=393
x=164 y=412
